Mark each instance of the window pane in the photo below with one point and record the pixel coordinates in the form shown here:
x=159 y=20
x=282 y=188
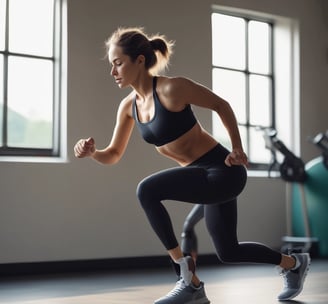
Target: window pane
x=219 y=131
x=259 y=100
x=224 y=84
x=258 y=152
x=31 y=27
x=228 y=38
x=259 y=47
x=2 y=24
x=30 y=102
x=230 y=85
x=1 y=100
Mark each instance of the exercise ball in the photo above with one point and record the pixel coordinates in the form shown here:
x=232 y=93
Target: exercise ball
x=316 y=194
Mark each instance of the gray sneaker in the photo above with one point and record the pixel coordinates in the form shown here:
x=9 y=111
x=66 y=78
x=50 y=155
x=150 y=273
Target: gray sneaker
x=294 y=279
x=185 y=294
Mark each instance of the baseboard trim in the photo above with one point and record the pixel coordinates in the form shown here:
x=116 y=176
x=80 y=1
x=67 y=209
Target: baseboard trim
x=111 y=264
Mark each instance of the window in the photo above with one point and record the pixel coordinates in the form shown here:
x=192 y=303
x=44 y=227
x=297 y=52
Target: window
x=255 y=67
x=30 y=82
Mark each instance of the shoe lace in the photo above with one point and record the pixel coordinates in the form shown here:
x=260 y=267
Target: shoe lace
x=287 y=276
x=179 y=286
x=284 y=273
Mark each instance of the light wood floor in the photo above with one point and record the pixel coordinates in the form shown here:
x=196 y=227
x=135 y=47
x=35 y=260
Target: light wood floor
x=224 y=285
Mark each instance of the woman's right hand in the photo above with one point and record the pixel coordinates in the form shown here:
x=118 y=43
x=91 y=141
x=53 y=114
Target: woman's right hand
x=85 y=148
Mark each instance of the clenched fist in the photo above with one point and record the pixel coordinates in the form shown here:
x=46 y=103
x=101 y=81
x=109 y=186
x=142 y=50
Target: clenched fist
x=85 y=148
x=236 y=157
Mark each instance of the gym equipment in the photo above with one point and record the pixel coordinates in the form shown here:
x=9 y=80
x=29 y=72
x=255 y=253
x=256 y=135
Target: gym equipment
x=321 y=141
x=316 y=189
x=293 y=171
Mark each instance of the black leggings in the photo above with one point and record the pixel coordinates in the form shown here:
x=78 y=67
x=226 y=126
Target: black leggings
x=210 y=182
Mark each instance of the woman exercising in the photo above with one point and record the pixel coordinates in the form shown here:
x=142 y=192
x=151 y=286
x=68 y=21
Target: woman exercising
x=208 y=173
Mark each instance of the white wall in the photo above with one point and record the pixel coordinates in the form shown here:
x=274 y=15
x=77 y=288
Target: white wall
x=82 y=210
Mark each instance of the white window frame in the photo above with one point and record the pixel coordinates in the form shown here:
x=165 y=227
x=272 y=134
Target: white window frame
x=286 y=74
x=58 y=151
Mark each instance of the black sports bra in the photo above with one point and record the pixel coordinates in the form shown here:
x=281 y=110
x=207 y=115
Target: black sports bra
x=165 y=126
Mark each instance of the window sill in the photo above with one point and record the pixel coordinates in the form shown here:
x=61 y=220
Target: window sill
x=34 y=159
x=263 y=173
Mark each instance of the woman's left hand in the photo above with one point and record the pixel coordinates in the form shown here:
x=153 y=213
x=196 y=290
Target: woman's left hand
x=236 y=157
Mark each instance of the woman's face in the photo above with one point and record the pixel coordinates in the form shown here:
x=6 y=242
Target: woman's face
x=123 y=69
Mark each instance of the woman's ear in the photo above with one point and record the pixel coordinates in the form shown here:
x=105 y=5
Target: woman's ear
x=141 y=59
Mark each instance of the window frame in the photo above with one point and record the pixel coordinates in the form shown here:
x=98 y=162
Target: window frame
x=57 y=85
x=248 y=17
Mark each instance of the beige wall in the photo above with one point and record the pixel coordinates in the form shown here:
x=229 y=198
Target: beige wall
x=82 y=210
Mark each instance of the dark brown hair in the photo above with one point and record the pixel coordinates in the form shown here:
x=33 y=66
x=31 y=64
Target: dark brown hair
x=134 y=42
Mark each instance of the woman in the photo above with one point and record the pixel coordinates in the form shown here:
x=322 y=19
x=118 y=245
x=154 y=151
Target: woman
x=208 y=173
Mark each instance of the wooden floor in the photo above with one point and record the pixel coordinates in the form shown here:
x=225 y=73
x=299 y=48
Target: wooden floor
x=224 y=285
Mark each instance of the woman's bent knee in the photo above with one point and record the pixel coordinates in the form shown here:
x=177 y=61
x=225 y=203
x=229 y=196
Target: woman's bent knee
x=145 y=192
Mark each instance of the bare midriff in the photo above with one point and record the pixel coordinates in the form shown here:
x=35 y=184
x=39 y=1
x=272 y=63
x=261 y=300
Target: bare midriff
x=188 y=147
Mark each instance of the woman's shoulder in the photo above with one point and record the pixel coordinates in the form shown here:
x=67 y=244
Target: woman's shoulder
x=172 y=85
x=127 y=102
x=129 y=99
x=174 y=92
x=173 y=80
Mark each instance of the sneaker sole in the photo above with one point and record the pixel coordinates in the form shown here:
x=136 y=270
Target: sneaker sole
x=199 y=301
x=308 y=261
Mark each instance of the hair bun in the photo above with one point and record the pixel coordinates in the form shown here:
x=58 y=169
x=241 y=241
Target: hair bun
x=157 y=43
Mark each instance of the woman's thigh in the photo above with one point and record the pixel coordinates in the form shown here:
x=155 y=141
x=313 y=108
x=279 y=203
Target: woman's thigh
x=189 y=184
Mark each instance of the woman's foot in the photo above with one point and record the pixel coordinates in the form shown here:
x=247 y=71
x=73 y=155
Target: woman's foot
x=183 y=293
x=294 y=278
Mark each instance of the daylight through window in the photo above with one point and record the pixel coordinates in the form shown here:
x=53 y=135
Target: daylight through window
x=30 y=49
x=242 y=74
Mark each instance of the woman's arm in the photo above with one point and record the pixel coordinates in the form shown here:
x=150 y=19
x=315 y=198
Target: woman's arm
x=186 y=91
x=121 y=135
